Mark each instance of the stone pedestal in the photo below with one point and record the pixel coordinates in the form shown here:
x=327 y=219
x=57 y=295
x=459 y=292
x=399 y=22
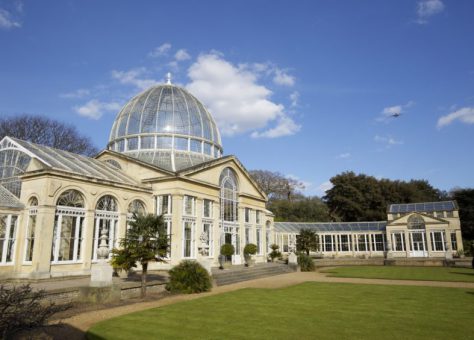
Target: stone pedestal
x=292 y=258
x=101 y=274
x=206 y=263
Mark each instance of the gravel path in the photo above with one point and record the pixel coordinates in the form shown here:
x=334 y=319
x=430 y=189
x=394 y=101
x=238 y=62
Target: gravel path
x=81 y=322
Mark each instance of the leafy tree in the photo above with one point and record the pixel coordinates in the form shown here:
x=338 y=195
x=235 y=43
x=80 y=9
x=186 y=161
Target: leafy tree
x=365 y=198
x=302 y=209
x=307 y=241
x=46 y=131
x=276 y=185
x=465 y=200
x=146 y=241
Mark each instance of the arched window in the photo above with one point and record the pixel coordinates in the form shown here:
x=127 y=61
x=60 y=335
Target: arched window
x=228 y=193
x=416 y=222
x=106 y=218
x=71 y=198
x=137 y=207
x=114 y=163
x=68 y=227
x=31 y=228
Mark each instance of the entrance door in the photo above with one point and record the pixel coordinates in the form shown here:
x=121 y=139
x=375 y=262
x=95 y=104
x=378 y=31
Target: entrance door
x=234 y=238
x=418 y=244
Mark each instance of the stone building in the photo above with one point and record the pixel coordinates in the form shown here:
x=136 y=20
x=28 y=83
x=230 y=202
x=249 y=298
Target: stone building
x=164 y=156
x=412 y=230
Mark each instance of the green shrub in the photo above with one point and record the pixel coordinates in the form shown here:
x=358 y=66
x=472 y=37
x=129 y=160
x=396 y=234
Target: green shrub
x=23 y=308
x=250 y=249
x=227 y=249
x=189 y=277
x=274 y=253
x=306 y=263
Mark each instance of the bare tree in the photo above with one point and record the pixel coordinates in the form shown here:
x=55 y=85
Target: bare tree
x=276 y=185
x=45 y=131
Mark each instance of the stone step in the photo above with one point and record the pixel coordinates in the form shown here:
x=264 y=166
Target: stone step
x=240 y=273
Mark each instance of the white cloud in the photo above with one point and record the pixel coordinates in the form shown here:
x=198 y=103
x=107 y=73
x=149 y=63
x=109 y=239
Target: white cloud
x=237 y=102
x=390 y=111
x=135 y=77
x=283 y=78
x=428 y=8
x=7 y=21
x=181 y=55
x=294 y=97
x=344 y=155
x=160 y=50
x=79 y=93
x=94 y=109
x=285 y=127
x=465 y=115
x=389 y=141
x=325 y=186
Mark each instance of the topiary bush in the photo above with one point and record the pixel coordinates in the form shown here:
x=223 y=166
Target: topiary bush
x=250 y=249
x=274 y=253
x=306 y=263
x=189 y=277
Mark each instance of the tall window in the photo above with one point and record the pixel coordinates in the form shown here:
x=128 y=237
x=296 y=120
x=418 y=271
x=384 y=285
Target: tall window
x=454 y=241
x=163 y=204
x=106 y=219
x=68 y=227
x=362 y=242
x=207 y=208
x=7 y=238
x=328 y=243
x=259 y=240
x=377 y=242
x=229 y=205
x=207 y=229
x=189 y=205
x=188 y=239
x=30 y=229
x=247 y=235
x=247 y=215
x=135 y=207
x=257 y=217
x=398 y=241
x=344 y=244
x=437 y=240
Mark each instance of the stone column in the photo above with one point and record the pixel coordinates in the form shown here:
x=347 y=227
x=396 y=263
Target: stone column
x=177 y=229
x=447 y=244
x=41 y=261
x=88 y=239
x=406 y=235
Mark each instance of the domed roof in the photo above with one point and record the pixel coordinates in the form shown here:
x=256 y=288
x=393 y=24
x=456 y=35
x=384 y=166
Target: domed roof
x=168 y=127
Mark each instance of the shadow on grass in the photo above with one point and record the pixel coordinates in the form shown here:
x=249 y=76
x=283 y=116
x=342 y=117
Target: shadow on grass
x=468 y=274
x=52 y=332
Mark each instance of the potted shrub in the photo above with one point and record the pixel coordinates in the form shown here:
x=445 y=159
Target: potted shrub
x=249 y=250
x=225 y=259
x=274 y=253
x=121 y=263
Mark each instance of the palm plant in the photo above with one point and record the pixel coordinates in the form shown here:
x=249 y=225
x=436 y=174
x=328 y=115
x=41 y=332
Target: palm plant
x=146 y=241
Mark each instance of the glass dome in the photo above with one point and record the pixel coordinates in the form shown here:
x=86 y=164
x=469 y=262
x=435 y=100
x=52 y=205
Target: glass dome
x=168 y=127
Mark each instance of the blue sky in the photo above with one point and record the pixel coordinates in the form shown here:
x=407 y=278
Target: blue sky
x=305 y=88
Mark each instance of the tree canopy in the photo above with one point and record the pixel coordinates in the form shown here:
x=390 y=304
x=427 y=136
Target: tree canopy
x=465 y=199
x=358 y=197
x=307 y=241
x=46 y=131
x=301 y=209
x=145 y=241
x=276 y=185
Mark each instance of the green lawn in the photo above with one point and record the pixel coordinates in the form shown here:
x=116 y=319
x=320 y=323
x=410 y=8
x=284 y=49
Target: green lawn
x=307 y=311
x=404 y=273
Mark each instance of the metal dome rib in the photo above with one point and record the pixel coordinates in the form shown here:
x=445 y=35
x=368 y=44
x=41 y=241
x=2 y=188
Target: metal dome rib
x=167 y=126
